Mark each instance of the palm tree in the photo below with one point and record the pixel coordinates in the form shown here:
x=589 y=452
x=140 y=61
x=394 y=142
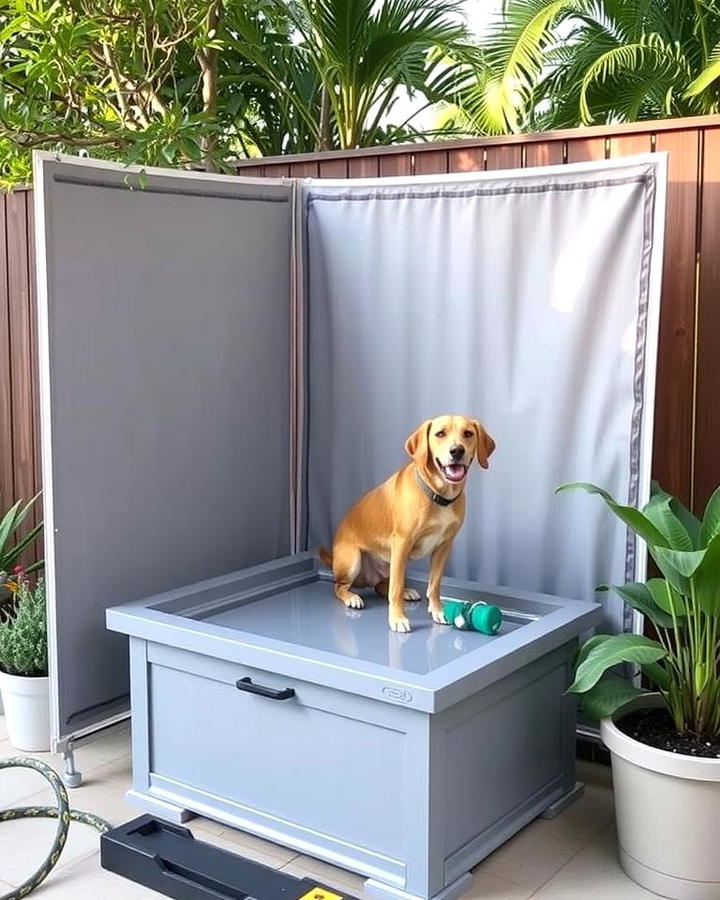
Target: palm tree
x=347 y=60
x=561 y=63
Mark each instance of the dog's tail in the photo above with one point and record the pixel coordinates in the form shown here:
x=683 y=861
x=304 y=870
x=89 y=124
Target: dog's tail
x=325 y=556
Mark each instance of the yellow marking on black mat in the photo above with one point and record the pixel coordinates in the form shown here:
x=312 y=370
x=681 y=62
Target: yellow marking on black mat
x=319 y=893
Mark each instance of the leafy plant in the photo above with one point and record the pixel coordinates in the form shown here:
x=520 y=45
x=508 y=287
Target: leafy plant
x=562 y=63
x=23 y=637
x=201 y=82
x=12 y=547
x=683 y=664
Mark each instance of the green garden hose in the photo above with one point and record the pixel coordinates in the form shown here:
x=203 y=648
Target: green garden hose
x=61 y=812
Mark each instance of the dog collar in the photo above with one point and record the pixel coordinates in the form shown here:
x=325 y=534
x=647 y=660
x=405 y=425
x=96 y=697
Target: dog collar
x=433 y=495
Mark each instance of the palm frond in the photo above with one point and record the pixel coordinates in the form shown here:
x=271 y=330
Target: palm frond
x=709 y=74
x=650 y=54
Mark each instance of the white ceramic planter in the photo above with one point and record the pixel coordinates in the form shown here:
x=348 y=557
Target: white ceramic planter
x=27 y=711
x=667 y=808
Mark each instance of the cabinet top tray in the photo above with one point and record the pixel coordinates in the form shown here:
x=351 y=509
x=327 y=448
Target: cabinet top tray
x=282 y=616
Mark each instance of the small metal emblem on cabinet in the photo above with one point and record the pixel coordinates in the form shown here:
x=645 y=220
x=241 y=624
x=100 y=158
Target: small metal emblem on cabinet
x=400 y=695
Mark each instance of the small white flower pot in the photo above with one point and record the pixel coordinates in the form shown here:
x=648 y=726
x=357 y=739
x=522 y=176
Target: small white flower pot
x=667 y=809
x=27 y=711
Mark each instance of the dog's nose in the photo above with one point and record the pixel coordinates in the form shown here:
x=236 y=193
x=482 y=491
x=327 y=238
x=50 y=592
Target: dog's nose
x=457 y=452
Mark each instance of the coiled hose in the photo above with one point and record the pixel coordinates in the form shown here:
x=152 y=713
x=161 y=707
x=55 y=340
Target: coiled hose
x=61 y=812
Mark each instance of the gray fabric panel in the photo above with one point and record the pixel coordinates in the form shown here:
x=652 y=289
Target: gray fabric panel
x=518 y=301
x=169 y=354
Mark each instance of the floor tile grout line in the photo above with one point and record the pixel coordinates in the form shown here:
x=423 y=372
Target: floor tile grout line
x=22 y=801
x=61 y=866
x=567 y=862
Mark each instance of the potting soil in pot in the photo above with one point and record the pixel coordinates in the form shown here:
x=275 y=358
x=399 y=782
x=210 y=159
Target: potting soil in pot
x=655 y=728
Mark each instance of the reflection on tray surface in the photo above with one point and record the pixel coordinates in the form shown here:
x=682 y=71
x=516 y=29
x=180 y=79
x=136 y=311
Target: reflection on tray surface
x=310 y=616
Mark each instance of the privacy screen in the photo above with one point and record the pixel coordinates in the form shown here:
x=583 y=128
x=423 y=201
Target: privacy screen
x=528 y=300
x=165 y=336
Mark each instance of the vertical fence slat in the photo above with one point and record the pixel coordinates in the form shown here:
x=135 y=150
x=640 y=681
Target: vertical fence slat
x=707 y=431
x=7 y=481
x=363 y=167
x=630 y=144
x=543 y=153
x=584 y=149
x=20 y=349
x=333 y=168
x=275 y=170
x=507 y=156
x=674 y=394
x=307 y=169
x=397 y=164
x=469 y=159
x=431 y=162
x=251 y=171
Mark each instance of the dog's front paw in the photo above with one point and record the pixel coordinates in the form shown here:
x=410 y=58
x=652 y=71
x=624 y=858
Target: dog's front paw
x=411 y=594
x=438 y=616
x=353 y=601
x=400 y=624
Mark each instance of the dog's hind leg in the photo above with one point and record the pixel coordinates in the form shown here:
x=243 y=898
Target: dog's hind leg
x=347 y=559
x=383 y=588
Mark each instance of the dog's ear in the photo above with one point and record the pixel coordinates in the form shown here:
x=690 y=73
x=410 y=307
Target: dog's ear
x=485 y=444
x=417 y=444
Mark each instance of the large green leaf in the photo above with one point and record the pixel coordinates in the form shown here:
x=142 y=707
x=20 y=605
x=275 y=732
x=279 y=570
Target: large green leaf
x=638 y=595
x=621 y=648
x=589 y=645
x=683 y=562
x=661 y=513
x=658 y=674
x=667 y=598
x=633 y=518
x=607 y=696
x=706 y=579
x=711 y=519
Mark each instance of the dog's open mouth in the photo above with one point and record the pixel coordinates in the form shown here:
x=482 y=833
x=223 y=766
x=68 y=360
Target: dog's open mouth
x=454 y=473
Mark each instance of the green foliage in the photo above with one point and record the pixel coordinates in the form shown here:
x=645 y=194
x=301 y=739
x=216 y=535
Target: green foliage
x=684 y=606
x=23 y=636
x=11 y=547
x=562 y=63
x=201 y=82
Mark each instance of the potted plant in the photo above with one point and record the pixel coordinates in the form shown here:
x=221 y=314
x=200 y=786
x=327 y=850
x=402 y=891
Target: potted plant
x=23 y=667
x=665 y=741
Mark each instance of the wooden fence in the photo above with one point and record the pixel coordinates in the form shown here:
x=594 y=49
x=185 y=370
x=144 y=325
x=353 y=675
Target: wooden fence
x=687 y=423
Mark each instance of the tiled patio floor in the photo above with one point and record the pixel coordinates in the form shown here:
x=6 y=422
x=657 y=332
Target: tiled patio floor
x=572 y=857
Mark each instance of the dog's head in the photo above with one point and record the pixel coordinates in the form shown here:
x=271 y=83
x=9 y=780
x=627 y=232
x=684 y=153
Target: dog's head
x=445 y=447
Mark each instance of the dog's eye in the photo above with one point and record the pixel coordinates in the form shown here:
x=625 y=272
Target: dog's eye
x=467 y=433
x=439 y=434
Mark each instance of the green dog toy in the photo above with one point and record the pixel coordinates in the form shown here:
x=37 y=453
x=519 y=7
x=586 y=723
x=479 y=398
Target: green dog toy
x=467 y=616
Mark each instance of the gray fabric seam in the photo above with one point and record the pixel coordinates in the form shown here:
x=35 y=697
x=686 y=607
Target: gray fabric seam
x=639 y=384
x=477 y=192
x=179 y=191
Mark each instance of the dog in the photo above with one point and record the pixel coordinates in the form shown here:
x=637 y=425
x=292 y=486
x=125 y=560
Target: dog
x=416 y=512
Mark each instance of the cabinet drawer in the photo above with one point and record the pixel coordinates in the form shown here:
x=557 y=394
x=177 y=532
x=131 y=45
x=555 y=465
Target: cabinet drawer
x=318 y=760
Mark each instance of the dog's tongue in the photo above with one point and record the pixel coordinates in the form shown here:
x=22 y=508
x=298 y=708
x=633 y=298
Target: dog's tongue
x=455 y=472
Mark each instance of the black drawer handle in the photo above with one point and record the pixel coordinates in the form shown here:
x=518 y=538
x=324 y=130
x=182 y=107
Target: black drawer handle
x=246 y=684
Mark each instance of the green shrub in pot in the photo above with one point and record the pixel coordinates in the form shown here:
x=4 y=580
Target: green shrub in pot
x=24 y=683
x=23 y=635
x=666 y=772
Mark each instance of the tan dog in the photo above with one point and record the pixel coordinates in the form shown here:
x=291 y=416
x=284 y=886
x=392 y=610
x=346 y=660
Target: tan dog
x=417 y=511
